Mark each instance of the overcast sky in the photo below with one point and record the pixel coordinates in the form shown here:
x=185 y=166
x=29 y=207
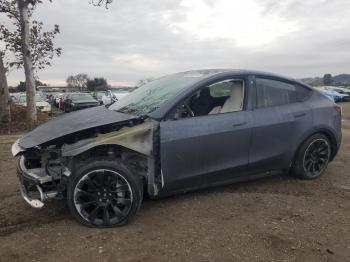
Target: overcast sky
x=136 y=39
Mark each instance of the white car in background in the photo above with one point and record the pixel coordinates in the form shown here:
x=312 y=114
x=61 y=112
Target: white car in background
x=119 y=93
x=57 y=98
x=110 y=96
x=40 y=103
x=104 y=97
x=15 y=96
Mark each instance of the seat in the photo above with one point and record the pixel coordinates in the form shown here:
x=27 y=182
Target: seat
x=203 y=104
x=233 y=103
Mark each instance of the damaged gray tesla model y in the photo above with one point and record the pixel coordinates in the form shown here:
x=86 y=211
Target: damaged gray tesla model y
x=181 y=132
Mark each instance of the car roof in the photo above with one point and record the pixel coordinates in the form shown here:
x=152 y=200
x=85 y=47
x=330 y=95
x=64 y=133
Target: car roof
x=212 y=72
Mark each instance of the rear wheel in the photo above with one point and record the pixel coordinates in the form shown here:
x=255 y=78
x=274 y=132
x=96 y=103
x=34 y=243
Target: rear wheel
x=313 y=157
x=104 y=194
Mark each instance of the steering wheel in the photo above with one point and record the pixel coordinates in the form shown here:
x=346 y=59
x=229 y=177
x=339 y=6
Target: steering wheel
x=189 y=110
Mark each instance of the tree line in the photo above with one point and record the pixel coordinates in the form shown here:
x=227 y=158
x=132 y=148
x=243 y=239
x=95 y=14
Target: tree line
x=84 y=83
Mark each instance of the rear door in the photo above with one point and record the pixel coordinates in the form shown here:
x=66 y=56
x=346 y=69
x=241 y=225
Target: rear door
x=281 y=118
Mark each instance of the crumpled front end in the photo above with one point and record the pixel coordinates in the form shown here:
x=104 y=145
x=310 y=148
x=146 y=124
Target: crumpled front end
x=41 y=175
x=45 y=169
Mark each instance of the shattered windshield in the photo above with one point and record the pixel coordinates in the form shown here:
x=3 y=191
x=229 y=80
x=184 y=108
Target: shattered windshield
x=150 y=96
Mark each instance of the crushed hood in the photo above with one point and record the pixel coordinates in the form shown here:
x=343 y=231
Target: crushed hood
x=72 y=123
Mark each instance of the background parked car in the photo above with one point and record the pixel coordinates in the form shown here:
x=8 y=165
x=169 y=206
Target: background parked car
x=15 y=96
x=76 y=101
x=57 y=99
x=110 y=96
x=51 y=97
x=333 y=95
x=343 y=93
x=119 y=93
x=104 y=97
x=40 y=103
x=340 y=90
x=62 y=100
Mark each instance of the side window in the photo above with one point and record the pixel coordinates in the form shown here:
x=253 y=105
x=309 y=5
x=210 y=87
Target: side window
x=218 y=98
x=302 y=92
x=274 y=93
x=221 y=89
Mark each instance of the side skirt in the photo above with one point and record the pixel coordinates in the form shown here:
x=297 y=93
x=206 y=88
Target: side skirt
x=243 y=178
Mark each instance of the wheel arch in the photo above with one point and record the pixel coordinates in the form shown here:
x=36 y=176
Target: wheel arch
x=134 y=145
x=135 y=160
x=324 y=131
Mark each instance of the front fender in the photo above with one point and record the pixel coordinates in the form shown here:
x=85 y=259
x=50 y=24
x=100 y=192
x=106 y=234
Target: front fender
x=138 y=138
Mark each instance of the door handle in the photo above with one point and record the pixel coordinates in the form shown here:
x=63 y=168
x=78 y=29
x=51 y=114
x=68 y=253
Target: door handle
x=297 y=115
x=239 y=123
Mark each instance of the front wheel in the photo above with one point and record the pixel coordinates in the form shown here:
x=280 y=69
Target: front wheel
x=313 y=157
x=104 y=194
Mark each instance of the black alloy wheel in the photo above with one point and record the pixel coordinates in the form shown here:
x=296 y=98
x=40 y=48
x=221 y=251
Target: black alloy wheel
x=312 y=157
x=316 y=157
x=103 y=197
x=104 y=194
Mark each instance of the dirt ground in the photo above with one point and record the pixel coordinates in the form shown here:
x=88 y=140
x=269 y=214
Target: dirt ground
x=273 y=219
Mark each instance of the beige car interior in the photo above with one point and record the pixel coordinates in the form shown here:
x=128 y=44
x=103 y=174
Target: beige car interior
x=234 y=102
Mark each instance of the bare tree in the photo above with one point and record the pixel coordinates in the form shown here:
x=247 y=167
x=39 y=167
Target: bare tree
x=31 y=47
x=78 y=81
x=104 y=3
x=4 y=93
x=23 y=8
x=327 y=79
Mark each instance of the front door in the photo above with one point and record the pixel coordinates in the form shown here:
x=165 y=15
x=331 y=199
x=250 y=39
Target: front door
x=211 y=144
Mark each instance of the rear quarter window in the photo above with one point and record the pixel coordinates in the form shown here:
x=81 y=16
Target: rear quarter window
x=302 y=92
x=274 y=92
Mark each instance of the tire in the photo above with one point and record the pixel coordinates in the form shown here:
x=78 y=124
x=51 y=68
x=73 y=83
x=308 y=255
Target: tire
x=312 y=158
x=104 y=193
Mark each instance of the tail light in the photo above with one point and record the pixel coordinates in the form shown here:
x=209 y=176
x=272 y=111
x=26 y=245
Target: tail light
x=338 y=109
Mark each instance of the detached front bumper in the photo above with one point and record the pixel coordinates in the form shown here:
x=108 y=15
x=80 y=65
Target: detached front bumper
x=32 y=184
